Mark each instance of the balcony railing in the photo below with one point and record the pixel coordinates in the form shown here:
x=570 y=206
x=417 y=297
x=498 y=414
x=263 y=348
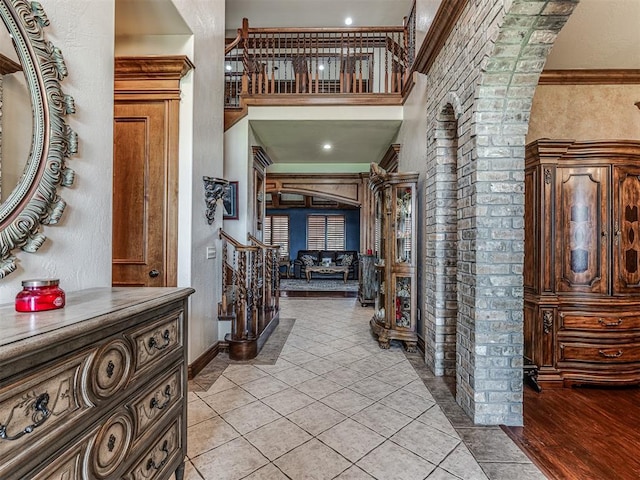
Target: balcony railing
x=334 y=61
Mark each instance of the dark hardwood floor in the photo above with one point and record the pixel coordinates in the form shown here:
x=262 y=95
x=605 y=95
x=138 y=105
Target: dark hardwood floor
x=583 y=433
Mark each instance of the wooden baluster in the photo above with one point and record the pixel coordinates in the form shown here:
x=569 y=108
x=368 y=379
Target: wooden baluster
x=360 y=65
x=241 y=288
x=317 y=38
x=273 y=64
x=245 y=55
x=386 y=65
x=341 y=66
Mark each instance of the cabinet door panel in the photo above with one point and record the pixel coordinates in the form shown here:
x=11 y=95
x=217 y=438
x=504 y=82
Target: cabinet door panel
x=626 y=230
x=581 y=230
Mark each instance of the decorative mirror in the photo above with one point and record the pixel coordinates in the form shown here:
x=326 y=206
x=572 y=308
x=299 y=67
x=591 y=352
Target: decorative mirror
x=31 y=200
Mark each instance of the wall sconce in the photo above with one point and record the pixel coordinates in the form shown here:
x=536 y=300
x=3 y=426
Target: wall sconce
x=214 y=190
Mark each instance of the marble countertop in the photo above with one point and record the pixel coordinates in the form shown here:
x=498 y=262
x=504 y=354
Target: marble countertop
x=85 y=310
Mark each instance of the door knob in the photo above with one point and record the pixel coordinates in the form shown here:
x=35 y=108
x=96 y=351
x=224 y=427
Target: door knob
x=154 y=273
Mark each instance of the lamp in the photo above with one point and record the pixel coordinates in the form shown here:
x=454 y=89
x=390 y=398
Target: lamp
x=214 y=190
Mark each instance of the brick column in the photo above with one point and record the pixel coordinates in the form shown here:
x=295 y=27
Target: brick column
x=491 y=62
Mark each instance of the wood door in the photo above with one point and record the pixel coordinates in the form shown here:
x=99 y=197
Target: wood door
x=145 y=169
x=140 y=216
x=626 y=229
x=582 y=224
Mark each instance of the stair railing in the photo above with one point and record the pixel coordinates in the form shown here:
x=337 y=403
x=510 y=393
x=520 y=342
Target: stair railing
x=271 y=285
x=241 y=274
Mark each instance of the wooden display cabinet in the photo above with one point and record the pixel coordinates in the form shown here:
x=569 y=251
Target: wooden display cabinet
x=582 y=261
x=395 y=241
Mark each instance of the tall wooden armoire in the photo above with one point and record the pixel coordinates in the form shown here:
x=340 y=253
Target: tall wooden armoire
x=582 y=261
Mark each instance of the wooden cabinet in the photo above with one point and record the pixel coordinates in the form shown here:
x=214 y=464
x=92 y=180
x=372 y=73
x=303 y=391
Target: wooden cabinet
x=96 y=390
x=582 y=261
x=395 y=241
x=367 y=286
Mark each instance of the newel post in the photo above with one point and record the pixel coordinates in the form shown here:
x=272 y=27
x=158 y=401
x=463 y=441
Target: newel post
x=244 y=32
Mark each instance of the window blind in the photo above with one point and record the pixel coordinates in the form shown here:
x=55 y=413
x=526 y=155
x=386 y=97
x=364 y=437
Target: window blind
x=276 y=232
x=325 y=232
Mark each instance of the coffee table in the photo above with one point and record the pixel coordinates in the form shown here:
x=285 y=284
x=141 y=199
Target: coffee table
x=327 y=269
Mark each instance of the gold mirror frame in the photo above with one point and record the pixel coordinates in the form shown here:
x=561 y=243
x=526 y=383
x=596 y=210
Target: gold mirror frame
x=35 y=201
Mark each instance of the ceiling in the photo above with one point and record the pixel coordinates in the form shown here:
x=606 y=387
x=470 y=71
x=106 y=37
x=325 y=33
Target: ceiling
x=599 y=34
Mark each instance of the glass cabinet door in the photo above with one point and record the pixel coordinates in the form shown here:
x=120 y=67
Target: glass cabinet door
x=403 y=228
x=402 y=308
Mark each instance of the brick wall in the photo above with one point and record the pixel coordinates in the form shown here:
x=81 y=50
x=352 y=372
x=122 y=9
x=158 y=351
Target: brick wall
x=479 y=94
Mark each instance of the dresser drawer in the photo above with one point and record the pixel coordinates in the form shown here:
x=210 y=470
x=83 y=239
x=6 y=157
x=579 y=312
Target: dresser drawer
x=159 y=399
x=602 y=321
x=38 y=407
x=165 y=451
x=155 y=342
x=69 y=465
x=599 y=353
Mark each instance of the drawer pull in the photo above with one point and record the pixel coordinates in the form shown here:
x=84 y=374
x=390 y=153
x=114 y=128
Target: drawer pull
x=618 y=354
x=604 y=323
x=157 y=466
x=39 y=416
x=166 y=336
x=154 y=403
x=110 y=369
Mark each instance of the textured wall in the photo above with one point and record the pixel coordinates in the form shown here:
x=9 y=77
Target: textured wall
x=78 y=249
x=585 y=112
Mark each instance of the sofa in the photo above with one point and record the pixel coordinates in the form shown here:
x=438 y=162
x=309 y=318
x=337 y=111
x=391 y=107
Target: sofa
x=314 y=257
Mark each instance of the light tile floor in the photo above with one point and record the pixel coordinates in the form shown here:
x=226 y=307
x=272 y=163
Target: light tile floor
x=328 y=403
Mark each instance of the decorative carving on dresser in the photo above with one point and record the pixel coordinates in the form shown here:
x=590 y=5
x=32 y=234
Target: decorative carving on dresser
x=84 y=396
x=582 y=261
x=547 y=321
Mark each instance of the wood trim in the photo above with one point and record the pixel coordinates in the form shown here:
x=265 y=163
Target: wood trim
x=345 y=188
x=590 y=77
x=203 y=360
x=445 y=19
x=390 y=160
x=8 y=66
x=261 y=159
x=166 y=66
x=308 y=99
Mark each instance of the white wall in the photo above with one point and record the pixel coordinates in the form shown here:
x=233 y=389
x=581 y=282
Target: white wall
x=206 y=20
x=78 y=249
x=236 y=168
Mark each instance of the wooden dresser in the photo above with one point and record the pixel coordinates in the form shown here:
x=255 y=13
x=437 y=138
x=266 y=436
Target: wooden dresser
x=582 y=261
x=96 y=390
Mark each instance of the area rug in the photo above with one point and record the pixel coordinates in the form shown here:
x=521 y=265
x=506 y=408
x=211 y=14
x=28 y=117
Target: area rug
x=319 y=284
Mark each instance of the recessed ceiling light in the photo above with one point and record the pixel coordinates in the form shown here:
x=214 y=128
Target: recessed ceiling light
x=227 y=67
x=327 y=146
x=348 y=21
x=320 y=67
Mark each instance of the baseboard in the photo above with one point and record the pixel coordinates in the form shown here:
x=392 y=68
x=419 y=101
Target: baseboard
x=421 y=345
x=203 y=360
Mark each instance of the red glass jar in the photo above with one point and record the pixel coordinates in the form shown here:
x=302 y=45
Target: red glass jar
x=40 y=295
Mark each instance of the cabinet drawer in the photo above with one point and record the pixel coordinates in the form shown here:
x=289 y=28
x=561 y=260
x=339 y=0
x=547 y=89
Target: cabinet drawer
x=160 y=455
x=67 y=466
x=161 y=397
x=153 y=343
x=599 y=353
x=604 y=321
x=38 y=407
